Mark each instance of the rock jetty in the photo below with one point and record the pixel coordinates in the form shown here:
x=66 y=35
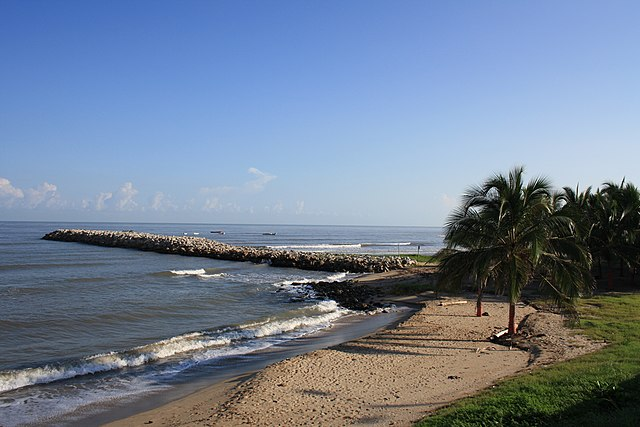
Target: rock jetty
x=203 y=247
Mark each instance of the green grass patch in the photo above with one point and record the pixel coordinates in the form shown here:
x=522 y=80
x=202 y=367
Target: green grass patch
x=429 y=259
x=598 y=389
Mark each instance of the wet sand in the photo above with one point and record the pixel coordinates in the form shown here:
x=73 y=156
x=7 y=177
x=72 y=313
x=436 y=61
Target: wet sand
x=392 y=377
x=234 y=369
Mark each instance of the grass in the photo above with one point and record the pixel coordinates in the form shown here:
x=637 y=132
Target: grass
x=598 y=389
x=427 y=259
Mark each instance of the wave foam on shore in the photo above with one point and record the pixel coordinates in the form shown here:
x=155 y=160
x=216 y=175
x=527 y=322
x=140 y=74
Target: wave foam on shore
x=188 y=349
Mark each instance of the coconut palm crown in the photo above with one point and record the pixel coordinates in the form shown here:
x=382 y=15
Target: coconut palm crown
x=510 y=233
x=616 y=226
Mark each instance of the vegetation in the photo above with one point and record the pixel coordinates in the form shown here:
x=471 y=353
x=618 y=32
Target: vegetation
x=507 y=235
x=601 y=388
x=422 y=259
x=510 y=233
x=614 y=212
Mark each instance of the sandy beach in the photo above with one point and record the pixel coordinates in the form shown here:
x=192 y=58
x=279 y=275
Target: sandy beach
x=393 y=377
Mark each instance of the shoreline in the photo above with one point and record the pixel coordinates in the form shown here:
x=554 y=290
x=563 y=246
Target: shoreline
x=397 y=375
x=232 y=371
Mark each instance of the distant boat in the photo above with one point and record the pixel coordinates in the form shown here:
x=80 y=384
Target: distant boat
x=195 y=233
x=218 y=232
x=268 y=234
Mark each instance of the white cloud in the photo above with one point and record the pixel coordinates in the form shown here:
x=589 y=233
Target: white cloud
x=125 y=197
x=277 y=208
x=261 y=180
x=44 y=193
x=160 y=202
x=212 y=204
x=253 y=186
x=101 y=200
x=9 y=194
x=226 y=199
x=233 y=207
x=31 y=198
x=218 y=190
x=157 y=204
x=215 y=204
x=221 y=198
x=121 y=200
x=299 y=207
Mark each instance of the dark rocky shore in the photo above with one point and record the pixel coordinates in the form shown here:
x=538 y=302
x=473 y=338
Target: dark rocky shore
x=350 y=294
x=203 y=247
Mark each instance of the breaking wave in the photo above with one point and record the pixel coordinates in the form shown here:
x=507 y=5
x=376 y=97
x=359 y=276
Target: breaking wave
x=200 y=272
x=188 y=349
x=339 y=247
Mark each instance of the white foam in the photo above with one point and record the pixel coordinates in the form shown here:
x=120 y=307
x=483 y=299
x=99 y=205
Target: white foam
x=210 y=276
x=189 y=272
x=303 y=321
x=387 y=244
x=336 y=277
x=13 y=379
x=200 y=272
x=41 y=408
x=318 y=246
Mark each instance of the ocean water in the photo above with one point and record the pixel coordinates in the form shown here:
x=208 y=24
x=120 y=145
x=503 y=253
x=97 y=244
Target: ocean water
x=84 y=327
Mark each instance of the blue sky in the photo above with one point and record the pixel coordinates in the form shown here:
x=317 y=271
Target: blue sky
x=307 y=112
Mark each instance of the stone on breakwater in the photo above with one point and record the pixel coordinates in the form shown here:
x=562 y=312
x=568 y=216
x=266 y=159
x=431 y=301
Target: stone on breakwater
x=349 y=294
x=203 y=247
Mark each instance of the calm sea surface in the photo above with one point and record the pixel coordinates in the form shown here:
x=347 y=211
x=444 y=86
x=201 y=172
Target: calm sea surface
x=82 y=326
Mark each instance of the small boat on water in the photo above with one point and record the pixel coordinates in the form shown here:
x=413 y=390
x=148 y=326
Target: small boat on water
x=217 y=232
x=269 y=234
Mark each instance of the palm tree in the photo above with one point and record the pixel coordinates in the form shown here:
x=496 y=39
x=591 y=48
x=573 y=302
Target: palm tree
x=615 y=212
x=512 y=233
x=577 y=206
x=468 y=230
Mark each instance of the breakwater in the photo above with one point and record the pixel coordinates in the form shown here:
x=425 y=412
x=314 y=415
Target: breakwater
x=203 y=247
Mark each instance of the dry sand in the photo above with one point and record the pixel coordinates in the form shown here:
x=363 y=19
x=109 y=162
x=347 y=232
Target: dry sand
x=393 y=377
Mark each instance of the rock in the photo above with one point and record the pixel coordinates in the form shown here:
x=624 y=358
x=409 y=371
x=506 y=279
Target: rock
x=348 y=294
x=203 y=247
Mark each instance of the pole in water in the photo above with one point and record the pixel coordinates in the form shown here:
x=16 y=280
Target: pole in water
x=418 y=250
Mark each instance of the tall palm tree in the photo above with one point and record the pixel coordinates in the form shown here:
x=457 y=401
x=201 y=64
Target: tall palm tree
x=511 y=233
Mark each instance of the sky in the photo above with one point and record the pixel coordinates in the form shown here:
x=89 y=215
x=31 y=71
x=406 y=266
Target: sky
x=331 y=112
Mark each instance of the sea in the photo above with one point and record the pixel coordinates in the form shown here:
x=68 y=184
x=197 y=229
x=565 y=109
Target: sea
x=87 y=332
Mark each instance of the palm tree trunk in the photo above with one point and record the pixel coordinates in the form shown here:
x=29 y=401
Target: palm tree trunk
x=600 y=266
x=512 y=318
x=479 y=302
x=621 y=268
